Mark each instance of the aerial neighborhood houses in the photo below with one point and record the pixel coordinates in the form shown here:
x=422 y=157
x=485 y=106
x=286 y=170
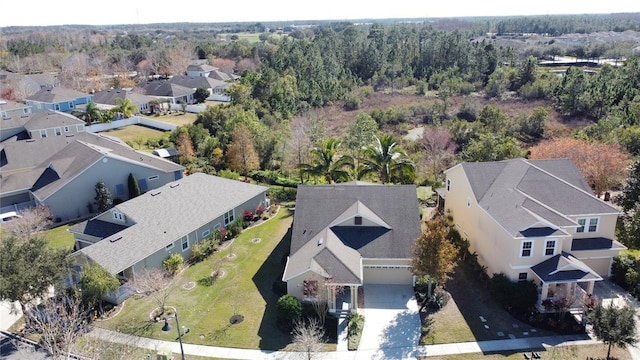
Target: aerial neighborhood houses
x=534 y=220
x=349 y=235
x=143 y=232
x=47 y=158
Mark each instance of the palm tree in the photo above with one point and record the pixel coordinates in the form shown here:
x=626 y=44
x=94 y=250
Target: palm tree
x=327 y=163
x=125 y=107
x=388 y=161
x=90 y=114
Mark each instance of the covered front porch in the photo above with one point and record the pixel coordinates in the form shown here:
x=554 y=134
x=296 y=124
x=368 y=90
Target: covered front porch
x=566 y=284
x=342 y=299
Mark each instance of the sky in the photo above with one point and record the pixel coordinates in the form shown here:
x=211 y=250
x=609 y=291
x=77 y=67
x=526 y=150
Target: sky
x=112 y=12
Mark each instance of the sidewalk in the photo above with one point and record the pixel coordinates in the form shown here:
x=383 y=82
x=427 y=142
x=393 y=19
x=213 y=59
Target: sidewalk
x=384 y=353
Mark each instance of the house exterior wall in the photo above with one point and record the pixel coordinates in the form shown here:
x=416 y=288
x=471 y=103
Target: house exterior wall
x=72 y=199
x=606 y=226
x=599 y=261
x=294 y=285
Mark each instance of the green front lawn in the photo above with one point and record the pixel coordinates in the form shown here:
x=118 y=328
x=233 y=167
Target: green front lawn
x=245 y=289
x=176 y=118
x=60 y=238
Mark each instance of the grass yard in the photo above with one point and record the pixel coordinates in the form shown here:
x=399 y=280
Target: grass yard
x=105 y=350
x=135 y=135
x=245 y=289
x=459 y=320
x=60 y=238
x=595 y=352
x=424 y=192
x=177 y=118
x=250 y=37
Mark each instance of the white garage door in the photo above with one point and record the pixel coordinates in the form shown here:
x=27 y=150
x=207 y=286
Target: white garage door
x=387 y=274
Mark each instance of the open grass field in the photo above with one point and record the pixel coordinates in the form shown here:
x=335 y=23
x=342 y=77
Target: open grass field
x=134 y=135
x=250 y=269
x=250 y=37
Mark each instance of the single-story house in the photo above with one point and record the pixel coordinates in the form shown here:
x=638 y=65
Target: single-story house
x=348 y=235
x=217 y=88
x=203 y=70
x=534 y=220
x=106 y=99
x=162 y=89
x=58 y=99
x=144 y=231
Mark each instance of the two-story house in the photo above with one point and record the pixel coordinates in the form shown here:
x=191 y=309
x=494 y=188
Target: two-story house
x=349 y=235
x=534 y=220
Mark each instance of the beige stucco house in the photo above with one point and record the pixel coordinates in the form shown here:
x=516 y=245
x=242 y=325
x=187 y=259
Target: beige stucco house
x=534 y=220
x=144 y=231
x=348 y=235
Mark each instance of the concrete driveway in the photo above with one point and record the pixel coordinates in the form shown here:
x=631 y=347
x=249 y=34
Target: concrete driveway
x=391 y=323
x=609 y=292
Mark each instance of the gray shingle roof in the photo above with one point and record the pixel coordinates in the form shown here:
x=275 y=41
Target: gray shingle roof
x=175 y=210
x=56 y=95
x=201 y=67
x=195 y=82
x=562 y=268
x=97 y=228
x=109 y=96
x=164 y=88
x=318 y=225
x=68 y=156
x=519 y=194
x=49 y=119
x=597 y=243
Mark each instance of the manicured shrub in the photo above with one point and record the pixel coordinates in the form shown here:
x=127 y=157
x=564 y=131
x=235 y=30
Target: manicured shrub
x=235 y=228
x=288 y=308
x=513 y=295
x=173 y=263
x=354 y=330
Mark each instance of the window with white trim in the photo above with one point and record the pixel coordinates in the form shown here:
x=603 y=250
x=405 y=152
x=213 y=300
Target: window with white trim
x=58 y=131
x=522 y=276
x=206 y=233
x=550 y=247
x=43 y=133
x=587 y=225
x=185 y=243
x=57 y=107
x=526 y=248
x=169 y=247
x=217 y=226
x=71 y=105
x=229 y=217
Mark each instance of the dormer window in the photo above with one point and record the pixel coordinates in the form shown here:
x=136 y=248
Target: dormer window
x=357 y=220
x=117 y=215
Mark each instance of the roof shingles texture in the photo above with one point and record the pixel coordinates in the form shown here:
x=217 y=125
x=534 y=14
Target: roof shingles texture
x=163 y=218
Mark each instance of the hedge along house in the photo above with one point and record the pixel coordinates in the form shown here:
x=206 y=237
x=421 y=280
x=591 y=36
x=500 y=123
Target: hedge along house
x=144 y=231
x=349 y=235
x=534 y=220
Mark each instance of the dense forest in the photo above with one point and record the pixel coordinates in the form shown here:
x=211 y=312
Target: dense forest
x=319 y=101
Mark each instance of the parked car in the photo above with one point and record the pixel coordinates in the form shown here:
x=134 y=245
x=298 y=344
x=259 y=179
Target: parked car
x=8 y=216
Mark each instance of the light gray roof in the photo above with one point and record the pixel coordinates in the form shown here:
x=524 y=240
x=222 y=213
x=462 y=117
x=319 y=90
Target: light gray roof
x=323 y=243
x=109 y=96
x=6 y=105
x=201 y=67
x=56 y=95
x=521 y=193
x=195 y=82
x=164 y=88
x=49 y=119
x=220 y=75
x=166 y=214
x=47 y=164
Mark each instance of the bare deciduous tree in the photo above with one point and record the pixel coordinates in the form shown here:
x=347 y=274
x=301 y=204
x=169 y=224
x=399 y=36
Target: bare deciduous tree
x=156 y=283
x=33 y=221
x=60 y=321
x=308 y=337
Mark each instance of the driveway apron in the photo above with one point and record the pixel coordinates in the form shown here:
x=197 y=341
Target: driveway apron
x=391 y=323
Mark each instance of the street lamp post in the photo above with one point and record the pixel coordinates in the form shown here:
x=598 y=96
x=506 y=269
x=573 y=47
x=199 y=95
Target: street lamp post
x=167 y=327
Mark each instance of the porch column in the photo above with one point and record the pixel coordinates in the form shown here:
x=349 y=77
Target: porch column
x=590 y=287
x=331 y=299
x=545 y=291
x=354 y=297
